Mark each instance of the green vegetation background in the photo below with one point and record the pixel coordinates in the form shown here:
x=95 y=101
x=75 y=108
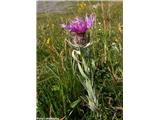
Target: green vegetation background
x=59 y=92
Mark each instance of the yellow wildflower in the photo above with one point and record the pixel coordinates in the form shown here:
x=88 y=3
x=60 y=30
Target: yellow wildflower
x=82 y=6
x=48 y=40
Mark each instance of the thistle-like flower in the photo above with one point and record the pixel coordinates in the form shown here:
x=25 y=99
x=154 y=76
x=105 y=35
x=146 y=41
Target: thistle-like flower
x=79 y=25
x=78 y=28
x=81 y=38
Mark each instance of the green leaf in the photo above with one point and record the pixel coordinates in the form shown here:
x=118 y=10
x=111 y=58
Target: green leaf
x=74 y=55
x=55 y=88
x=86 y=69
x=75 y=103
x=82 y=72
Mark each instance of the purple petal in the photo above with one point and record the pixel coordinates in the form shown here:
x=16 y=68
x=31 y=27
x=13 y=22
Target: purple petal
x=89 y=21
x=79 y=25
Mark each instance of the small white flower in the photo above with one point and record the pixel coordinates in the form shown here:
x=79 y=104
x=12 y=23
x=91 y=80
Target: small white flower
x=99 y=23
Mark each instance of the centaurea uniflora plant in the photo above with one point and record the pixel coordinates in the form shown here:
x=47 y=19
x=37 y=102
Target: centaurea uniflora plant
x=80 y=42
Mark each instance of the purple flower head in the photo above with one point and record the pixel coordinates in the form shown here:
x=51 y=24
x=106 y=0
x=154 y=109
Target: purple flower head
x=79 y=25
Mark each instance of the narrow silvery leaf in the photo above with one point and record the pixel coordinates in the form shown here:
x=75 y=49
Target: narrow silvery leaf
x=75 y=103
x=82 y=72
x=93 y=64
x=85 y=66
x=74 y=56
